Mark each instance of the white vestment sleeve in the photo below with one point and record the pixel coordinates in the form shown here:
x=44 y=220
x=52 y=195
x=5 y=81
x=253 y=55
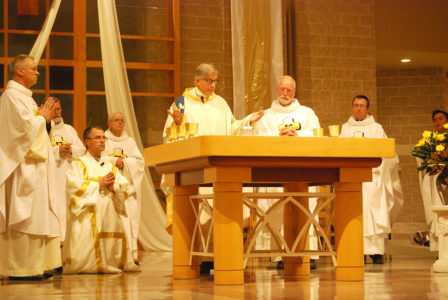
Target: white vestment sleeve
x=81 y=191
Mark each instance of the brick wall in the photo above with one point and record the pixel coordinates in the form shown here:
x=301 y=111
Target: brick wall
x=335 y=49
x=206 y=38
x=406 y=99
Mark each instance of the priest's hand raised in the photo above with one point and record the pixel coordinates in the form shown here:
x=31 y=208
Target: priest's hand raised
x=256 y=116
x=176 y=115
x=108 y=181
x=47 y=109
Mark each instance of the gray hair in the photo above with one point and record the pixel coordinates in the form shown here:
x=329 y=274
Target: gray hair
x=290 y=78
x=18 y=61
x=203 y=70
x=114 y=113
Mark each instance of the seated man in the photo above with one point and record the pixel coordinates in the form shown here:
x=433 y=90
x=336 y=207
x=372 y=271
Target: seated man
x=382 y=198
x=96 y=241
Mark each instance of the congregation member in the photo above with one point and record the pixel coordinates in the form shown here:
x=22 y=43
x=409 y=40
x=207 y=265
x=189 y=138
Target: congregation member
x=66 y=146
x=200 y=104
x=286 y=109
x=29 y=228
x=383 y=196
x=96 y=240
x=429 y=192
x=123 y=153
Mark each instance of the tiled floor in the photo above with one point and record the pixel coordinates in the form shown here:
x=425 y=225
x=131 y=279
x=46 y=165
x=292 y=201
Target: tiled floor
x=406 y=277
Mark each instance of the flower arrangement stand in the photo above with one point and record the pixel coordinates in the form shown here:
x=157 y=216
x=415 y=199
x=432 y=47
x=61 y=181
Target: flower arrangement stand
x=441 y=264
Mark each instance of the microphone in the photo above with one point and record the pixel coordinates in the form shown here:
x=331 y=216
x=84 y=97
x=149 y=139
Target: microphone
x=102 y=164
x=202 y=99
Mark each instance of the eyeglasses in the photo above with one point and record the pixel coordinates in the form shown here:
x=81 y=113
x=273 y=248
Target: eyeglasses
x=97 y=138
x=210 y=81
x=285 y=90
x=119 y=121
x=359 y=106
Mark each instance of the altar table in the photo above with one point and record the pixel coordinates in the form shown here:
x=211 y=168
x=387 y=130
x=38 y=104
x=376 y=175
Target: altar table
x=228 y=162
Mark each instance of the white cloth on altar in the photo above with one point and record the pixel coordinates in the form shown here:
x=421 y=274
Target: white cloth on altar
x=133 y=171
x=68 y=135
x=96 y=241
x=28 y=167
x=430 y=198
x=276 y=114
x=268 y=126
x=383 y=197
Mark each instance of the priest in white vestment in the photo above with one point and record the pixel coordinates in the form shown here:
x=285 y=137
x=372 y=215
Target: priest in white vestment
x=201 y=105
x=29 y=227
x=383 y=197
x=286 y=117
x=96 y=240
x=211 y=112
x=66 y=146
x=428 y=189
x=122 y=151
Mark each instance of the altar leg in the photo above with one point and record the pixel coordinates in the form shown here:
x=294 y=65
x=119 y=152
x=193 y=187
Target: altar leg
x=293 y=221
x=228 y=233
x=183 y=226
x=349 y=232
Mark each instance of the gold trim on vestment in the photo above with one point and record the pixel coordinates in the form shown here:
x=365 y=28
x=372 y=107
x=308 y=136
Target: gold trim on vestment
x=197 y=98
x=96 y=242
x=117 y=235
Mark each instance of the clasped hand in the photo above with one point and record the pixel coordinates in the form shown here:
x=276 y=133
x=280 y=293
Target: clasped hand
x=47 y=109
x=108 y=181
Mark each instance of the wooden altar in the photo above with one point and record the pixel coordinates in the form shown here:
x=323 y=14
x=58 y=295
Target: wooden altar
x=229 y=161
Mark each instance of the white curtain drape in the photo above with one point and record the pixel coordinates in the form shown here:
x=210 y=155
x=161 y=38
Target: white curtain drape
x=152 y=235
x=247 y=36
x=42 y=39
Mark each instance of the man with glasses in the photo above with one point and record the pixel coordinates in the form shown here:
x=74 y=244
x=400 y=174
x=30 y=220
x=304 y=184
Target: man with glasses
x=383 y=197
x=286 y=110
x=66 y=146
x=286 y=117
x=29 y=227
x=123 y=153
x=201 y=105
x=96 y=241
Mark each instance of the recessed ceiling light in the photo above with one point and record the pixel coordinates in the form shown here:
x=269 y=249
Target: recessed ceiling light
x=405 y=60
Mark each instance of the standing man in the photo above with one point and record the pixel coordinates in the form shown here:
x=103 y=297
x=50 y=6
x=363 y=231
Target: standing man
x=123 y=153
x=287 y=117
x=29 y=228
x=96 y=240
x=383 y=197
x=429 y=192
x=66 y=146
x=287 y=113
x=201 y=105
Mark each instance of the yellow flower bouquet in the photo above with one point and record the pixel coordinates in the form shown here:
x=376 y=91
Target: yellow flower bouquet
x=432 y=149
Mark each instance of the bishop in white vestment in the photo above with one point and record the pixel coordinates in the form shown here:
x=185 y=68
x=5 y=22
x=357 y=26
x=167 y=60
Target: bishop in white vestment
x=66 y=146
x=29 y=227
x=96 y=240
x=123 y=153
x=383 y=197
